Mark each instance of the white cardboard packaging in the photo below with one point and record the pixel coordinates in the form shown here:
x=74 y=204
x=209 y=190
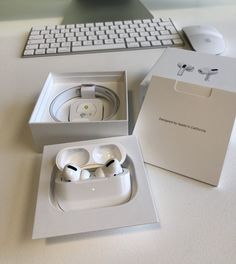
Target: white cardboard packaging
x=167 y=66
x=140 y=209
x=183 y=126
x=46 y=131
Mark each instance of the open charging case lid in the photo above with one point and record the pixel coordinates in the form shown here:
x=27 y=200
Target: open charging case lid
x=90 y=155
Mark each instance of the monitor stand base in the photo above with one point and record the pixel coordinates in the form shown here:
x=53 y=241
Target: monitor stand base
x=85 y=11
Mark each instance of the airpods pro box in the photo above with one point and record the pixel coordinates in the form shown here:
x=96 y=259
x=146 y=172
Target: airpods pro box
x=193 y=67
x=188 y=112
x=50 y=121
x=186 y=128
x=122 y=199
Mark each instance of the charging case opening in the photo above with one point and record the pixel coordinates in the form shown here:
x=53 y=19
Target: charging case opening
x=93 y=192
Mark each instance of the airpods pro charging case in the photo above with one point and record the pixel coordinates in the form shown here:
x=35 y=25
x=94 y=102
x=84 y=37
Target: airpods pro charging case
x=93 y=192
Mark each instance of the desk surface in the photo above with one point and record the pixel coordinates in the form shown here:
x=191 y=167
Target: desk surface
x=198 y=222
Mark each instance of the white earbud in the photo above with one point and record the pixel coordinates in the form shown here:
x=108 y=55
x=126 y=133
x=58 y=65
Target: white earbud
x=111 y=168
x=208 y=72
x=184 y=67
x=72 y=173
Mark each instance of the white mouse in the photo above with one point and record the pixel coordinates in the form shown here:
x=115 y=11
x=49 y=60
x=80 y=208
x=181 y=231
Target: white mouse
x=206 y=39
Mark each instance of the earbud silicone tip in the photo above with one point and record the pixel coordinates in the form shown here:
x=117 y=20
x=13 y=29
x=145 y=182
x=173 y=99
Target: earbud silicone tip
x=100 y=173
x=85 y=175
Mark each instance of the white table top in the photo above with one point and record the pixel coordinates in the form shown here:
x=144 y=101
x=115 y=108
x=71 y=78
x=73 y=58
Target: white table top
x=198 y=221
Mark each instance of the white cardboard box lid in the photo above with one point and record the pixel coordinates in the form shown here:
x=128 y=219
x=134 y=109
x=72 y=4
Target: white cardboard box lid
x=185 y=127
x=167 y=66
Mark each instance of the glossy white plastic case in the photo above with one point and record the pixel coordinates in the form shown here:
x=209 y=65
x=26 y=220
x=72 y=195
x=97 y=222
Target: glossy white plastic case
x=94 y=192
x=105 y=203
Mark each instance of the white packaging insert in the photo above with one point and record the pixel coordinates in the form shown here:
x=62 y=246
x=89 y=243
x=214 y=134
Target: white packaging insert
x=186 y=128
x=95 y=203
x=72 y=122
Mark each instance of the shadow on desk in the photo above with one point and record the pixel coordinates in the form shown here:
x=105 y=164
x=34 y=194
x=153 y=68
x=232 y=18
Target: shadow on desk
x=104 y=233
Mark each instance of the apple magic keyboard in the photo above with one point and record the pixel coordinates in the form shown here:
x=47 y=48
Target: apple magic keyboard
x=102 y=37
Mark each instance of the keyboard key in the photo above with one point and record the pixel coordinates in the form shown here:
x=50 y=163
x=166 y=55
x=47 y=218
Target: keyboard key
x=61 y=40
x=133 y=45
x=71 y=39
x=55 y=45
x=145 y=44
x=103 y=37
x=108 y=41
x=141 y=39
x=167 y=23
x=134 y=35
x=178 y=41
x=89 y=25
x=36 y=41
x=40 y=51
x=100 y=24
x=63 y=50
x=28 y=52
x=125 y=35
x=144 y=34
x=100 y=47
x=166 y=42
x=70 y=26
x=59 y=35
x=44 y=46
x=66 y=44
x=77 y=43
x=92 y=38
x=32 y=46
x=82 y=38
x=55 y=31
x=36 y=37
x=146 y=21
x=87 y=43
x=113 y=36
x=164 y=32
x=34 y=32
x=51 y=51
x=130 y=40
x=50 y=40
x=109 y=23
x=163 y=37
x=118 y=40
x=156 y=43
x=98 y=42
x=49 y=36
x=151 y=38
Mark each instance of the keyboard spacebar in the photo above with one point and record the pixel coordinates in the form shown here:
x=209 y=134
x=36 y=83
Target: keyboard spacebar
x=99 y=47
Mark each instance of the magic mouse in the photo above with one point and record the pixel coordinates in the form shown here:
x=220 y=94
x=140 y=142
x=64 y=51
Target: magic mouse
x=206 y=39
